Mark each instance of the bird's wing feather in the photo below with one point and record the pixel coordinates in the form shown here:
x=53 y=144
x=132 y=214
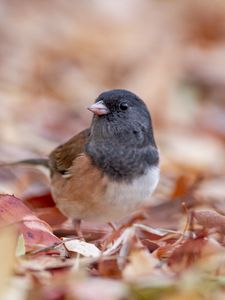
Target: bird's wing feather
x=62 y=158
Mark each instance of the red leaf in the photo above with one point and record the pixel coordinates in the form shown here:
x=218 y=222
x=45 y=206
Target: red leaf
x=35 y=231
x=42 y=201
x=52 y=216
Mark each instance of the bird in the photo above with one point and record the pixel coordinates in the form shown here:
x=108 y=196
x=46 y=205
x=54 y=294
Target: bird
x=109 y=170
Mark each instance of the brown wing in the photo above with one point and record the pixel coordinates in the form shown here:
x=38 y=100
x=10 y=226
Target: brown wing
x=61 y=159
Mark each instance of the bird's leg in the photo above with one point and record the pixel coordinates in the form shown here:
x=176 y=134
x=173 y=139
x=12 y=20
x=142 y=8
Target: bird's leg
x=77 y=226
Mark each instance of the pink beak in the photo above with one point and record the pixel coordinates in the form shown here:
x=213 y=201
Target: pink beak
x=99 y=108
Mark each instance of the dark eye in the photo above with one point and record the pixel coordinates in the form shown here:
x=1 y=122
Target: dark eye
x=123 y=106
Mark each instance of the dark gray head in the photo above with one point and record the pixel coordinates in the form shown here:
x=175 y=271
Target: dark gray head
x=121 y=116
x=121 y=141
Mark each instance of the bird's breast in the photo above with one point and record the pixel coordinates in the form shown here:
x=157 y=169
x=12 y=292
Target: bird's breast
x=123 y=198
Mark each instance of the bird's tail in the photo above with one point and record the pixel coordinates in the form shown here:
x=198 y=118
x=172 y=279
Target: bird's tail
x=42 y=162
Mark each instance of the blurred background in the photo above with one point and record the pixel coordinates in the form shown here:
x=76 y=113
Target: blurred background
x=57 y=56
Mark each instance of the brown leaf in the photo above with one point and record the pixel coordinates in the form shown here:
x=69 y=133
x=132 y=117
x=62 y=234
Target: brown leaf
x=109 y=268
x=186 y=253
x=210 y=219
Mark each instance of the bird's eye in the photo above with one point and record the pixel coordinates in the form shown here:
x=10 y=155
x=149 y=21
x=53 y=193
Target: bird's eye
x=123 y=106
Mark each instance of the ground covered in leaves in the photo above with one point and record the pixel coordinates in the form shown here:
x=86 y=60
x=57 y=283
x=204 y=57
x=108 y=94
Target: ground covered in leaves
x=54 y=60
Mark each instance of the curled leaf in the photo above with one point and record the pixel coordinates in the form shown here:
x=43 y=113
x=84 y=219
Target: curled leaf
x=35 y=231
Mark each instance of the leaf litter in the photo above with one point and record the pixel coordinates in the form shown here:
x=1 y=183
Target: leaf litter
x=50 y=70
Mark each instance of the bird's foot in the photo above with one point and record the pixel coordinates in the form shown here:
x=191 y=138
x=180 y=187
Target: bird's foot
x=77 y=226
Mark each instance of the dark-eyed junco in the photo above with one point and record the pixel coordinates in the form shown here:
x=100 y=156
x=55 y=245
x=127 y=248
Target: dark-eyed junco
x=107 y=171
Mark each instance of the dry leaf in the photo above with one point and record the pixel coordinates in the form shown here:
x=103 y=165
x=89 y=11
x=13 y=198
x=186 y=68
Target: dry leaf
x=83 y=248
x=210 y=219
x=141 y=263
x=35 y=231
x=51 y=69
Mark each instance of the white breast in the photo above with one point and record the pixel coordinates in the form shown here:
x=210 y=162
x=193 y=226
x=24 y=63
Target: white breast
x=124 y=198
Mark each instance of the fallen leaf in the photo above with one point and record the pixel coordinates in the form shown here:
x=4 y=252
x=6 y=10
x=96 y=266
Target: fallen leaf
x=210 y=219
x=141 y=263
x=108 y=267
x=85 y=249
x=186 y=253
x=45 y=262
x=40 y=201
x=36 y=232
